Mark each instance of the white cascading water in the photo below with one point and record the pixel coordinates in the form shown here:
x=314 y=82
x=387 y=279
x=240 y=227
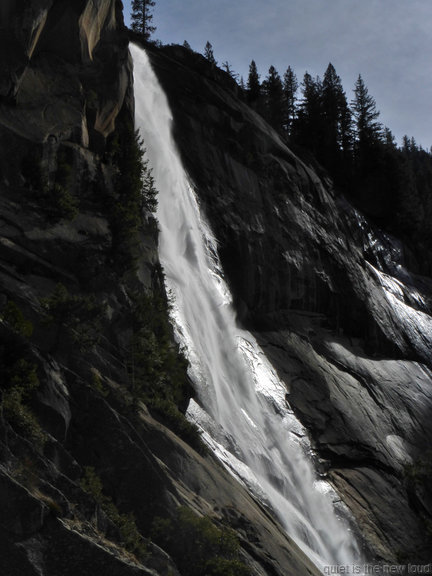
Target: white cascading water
x=242 y=408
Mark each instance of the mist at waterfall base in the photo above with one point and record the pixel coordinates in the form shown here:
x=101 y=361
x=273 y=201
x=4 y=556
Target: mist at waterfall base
x=241 y=407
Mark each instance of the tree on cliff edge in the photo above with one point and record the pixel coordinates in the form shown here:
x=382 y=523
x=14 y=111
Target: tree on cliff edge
x=290 y=86
x=142 y=17
x=209 y=54
x=274 y=98
x=367 y=130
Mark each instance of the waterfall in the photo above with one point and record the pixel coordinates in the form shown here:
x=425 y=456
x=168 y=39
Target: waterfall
x=241 y=405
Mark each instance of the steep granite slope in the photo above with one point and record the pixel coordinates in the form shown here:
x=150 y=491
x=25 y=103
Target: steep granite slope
x=87 y=472
x=329 y=297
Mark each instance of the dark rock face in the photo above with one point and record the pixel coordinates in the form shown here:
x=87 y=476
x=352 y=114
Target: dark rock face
x=66 y=87
x=66 y=67
x=328 y=295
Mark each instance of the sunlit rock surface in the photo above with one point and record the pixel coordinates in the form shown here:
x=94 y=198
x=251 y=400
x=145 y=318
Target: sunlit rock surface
x=328 y=295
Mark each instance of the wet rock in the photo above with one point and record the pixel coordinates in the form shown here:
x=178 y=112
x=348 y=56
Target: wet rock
x=330 y=298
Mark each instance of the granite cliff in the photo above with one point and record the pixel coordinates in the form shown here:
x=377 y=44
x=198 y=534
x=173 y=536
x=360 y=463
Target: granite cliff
x=88 y=468
x=95 y=472
x=329 y=296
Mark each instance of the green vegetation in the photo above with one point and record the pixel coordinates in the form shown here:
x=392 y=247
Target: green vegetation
x=61 y=203
x=14 y=318
x=79 y=315
x=209 y=54
x=391 y=184
x=97 y=384
x=157 y=370
x=198 y=547
x=130 y=537
x=65 y=204
x=134 y=194
x=419 y=473
x=18 y=376
x=21 y=381
x=142 y=18
x=55 y=197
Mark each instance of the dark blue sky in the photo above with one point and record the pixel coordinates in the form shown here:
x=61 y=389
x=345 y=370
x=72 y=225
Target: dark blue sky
x=387 y=41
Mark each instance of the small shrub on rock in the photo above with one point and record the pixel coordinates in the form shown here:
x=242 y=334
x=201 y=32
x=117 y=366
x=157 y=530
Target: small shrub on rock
x=22 y=380
x=80 y=315
x=14 y=318
x=198 y=547
x=130 y=537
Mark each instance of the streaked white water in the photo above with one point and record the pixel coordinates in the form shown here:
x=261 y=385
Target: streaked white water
x=241 y=405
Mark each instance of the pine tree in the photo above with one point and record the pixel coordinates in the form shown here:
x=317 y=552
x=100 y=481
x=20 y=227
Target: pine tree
x=208 y=53
x=336 y=122
x=227 y=67
x=253 y=84
x=346 y=128
x=290 y=86
x=389 y=139
x=332 y=98
x=367 y=130
x=406 y=144
x=307 y=128
x=410 y=212
x=142 y=17
x=368 y=149
x=274 y=99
